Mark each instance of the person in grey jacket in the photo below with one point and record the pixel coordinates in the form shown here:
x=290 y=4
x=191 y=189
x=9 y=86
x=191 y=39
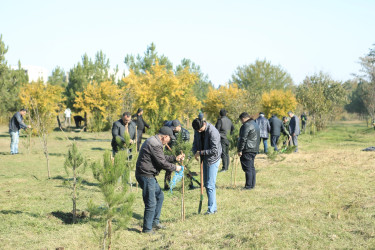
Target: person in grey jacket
x=125 y=124
x=15 y=124
x=248 y=147
x=151 y=160
x=276 y=128
x=225 y=126
x=294 y=129
x=207 y=146
x=265 y=128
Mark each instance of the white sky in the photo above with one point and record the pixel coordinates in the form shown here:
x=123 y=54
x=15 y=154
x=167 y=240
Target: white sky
x=303 y=37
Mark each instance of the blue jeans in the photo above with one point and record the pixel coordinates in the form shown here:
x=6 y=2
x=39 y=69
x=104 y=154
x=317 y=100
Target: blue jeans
x=153 y=199
x=264 y=144
x=209 y=179
x=14 y=139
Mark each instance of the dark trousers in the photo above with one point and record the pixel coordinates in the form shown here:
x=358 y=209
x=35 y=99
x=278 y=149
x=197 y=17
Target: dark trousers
x=264 y=144
x=139 y=139
x=247 y=163
x=295 y=142
x=274 y=141
x=153 y=199
x=167 y=179
x=225 y=154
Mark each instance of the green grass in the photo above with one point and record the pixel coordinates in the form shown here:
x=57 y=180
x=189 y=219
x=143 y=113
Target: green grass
x=322 y=197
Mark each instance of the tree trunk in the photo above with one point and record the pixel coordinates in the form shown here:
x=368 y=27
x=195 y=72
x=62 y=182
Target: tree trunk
x=74 y=196
x=85 y=122
x=109 y=234
x=46 y=153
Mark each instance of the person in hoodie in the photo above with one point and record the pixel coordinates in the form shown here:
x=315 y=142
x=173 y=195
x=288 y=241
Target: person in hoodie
x=207 y=147
x=265 y=128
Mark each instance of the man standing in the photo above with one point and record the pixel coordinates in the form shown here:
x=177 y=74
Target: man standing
x=294 y=129
x=141 y=124
x=248 y=147
x=15 y=124
x=276 y=127
x=286 y=131
x=176 y=127
x=119 y=128
x=303 y=120
x=67 y=113
x=265 y=128
x=207 y=146
x=150 y=161
x=224 y=125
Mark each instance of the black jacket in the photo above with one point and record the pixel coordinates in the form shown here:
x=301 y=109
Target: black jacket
x=16 y=123
x=118 y=129
x=264 y=126
x=224 y=125
x=211 y=147
x=141 y=124
x=276 y=126
x=249 y=137
x=151 y=159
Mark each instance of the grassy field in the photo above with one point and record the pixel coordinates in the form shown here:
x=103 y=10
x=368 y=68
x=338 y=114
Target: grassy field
x=323 y=197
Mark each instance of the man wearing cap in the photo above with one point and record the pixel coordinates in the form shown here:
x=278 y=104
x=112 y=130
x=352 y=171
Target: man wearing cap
x=207 y=147
x=224 y=125
x=176 y=127
x=150 y=162
x=141 y=124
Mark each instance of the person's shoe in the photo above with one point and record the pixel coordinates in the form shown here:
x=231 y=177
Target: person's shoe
x=191 y=187
x=158 y=226
x=150 y=232
x=246 y=188
x=209 y=213
x=223 y=170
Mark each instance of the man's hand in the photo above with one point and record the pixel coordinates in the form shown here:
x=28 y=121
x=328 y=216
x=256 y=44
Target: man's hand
x=180 y=157
x=28 y=126
x=178 y=168
x=239 y=154
x=197 y=154
x=294 y=134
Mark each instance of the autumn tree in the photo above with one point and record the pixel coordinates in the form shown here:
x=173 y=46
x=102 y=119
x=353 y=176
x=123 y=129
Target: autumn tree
x=162 y=94
x=229 y=97
x=322 y=97
x=101 y=102
x=278 y=102
x=43 y=103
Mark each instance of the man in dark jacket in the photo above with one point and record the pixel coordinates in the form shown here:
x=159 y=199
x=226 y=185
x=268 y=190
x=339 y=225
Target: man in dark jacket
x=248 y=147
x=176 y=127
x=141 y=124
x=15 y=124
x=207 y=147
x=276 y=128
x=224 y=125
x=119 y=128
x=151 y=160
x=294 y=129
x=265 y=128
x=303 y=120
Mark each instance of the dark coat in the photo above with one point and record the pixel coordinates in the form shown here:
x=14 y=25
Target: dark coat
x=264 y=126
x=294 y=126
x=140 y=123
x=224 y=125
x=151 y=159
x=16 y=123
x=249 y=138
x=211 y=149
x=276 y=126
x=118 y=130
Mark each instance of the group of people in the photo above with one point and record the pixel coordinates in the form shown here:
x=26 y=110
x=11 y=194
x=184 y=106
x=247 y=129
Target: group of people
x=210 y=146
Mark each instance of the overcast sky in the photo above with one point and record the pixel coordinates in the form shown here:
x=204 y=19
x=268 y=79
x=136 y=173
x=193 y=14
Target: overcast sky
x=303 y=37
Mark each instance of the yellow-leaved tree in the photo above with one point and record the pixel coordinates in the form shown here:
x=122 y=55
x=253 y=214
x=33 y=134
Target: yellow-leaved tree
x=163 y=94
x=102 y=102
x=278 y=102
x=228 y=97
x=43 y=102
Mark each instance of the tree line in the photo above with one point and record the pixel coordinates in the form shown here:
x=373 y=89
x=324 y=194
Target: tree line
x=166 y=92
